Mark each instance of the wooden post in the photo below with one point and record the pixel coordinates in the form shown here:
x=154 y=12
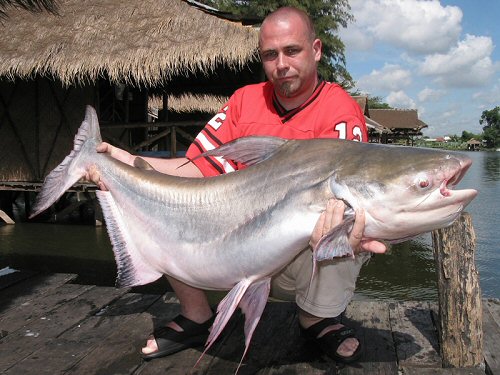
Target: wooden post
x=459 y=293
x=173 y=142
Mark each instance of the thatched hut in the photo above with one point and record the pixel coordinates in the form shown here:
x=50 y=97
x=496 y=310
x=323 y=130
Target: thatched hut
x=113 y=55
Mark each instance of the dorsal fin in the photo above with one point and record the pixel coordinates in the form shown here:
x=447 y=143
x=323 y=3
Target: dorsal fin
x=248 y=150
x=142 y=164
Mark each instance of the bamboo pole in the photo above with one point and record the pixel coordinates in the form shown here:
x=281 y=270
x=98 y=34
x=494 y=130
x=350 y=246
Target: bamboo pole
x=459 y=293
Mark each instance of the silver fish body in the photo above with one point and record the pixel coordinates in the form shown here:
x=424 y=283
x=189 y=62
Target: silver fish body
x=237 y=230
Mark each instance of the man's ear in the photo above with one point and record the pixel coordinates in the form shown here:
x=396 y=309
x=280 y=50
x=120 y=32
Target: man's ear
x=317 y=45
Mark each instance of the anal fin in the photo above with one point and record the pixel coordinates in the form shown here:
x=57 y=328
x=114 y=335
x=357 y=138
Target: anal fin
x=132 y=269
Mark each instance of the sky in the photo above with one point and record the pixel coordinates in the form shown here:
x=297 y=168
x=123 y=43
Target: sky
x=439 y=57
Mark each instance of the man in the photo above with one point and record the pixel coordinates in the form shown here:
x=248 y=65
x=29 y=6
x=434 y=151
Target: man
x=293 y=103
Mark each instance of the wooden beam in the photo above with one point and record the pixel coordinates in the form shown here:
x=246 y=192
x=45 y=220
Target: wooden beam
x=6 y=218
x=151 y=140
x=159 y=124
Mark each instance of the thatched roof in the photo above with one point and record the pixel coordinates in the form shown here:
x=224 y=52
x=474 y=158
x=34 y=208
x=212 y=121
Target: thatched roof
x=398 y=118
x=143 y=41
x=32 y=5
x=187 y=103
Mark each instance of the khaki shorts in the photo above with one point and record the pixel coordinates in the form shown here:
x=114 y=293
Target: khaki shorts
x=330 y=290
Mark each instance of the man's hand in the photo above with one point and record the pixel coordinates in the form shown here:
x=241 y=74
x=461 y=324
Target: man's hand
x=333 y=216
x=115 y=152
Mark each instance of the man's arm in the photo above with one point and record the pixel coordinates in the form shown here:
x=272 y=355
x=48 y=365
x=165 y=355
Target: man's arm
x=175 y=167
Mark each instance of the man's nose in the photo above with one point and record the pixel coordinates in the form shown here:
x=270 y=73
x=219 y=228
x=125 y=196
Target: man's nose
x=282 y=61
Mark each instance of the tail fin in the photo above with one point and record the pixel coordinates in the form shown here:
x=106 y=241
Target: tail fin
x=71 y=169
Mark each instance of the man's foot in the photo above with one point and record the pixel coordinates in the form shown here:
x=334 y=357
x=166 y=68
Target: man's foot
x=169 y=340
x=334 y=339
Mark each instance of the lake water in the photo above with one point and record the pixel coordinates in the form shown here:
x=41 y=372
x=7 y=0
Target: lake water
x=405 y=273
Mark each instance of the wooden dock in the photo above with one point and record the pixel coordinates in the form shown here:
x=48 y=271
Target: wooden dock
x=51 y=325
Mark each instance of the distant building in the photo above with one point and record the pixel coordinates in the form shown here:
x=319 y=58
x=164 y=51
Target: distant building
x=473 y=144
x=404 y=124
x=375 y=130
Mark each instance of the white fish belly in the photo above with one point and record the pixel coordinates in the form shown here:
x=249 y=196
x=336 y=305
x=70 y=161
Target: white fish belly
x=171 y=244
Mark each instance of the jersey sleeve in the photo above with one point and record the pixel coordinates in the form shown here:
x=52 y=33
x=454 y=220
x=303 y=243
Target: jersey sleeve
x=219 y=130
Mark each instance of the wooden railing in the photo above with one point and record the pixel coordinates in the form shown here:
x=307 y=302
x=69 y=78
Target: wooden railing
x=171 y=129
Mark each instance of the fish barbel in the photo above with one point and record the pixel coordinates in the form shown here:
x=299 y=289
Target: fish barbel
x=235 y=231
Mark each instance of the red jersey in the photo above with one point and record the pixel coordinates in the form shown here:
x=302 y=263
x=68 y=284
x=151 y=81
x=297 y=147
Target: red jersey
x=254 y=110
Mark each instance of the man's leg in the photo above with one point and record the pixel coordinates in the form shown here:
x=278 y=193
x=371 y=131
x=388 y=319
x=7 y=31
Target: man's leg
x=327 y=296
x=194 y=306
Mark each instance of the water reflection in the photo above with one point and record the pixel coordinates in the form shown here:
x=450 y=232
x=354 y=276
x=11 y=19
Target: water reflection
x=80 y=249
x=491 y=164
x=405 y=272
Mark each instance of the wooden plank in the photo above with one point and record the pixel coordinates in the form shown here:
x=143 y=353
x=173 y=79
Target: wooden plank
x=36 y=333
x=32 y=287
x=491 y=317
x=441 y=371
x=13 y=278
x=120 y=352
x=414 y=334
x=66 y=350
x=493 y=306
x=21 y=314
x=278 y=345
x=276 y=348
x=371 y=318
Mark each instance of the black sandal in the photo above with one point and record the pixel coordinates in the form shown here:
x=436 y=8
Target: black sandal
x=169 y=341
x=330 y=342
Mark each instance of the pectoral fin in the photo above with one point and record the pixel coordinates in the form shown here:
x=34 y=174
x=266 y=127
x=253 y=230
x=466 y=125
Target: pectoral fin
x=335 y=244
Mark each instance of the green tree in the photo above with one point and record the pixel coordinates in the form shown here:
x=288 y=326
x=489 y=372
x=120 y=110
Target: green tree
x=491 y=129
x=374 y=102
x=327 y=15
x=466 y=136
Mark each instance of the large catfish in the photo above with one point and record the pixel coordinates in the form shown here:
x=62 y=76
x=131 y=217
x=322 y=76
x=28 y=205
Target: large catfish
x=235 y=231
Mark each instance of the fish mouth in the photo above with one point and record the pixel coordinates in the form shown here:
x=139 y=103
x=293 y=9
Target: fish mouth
x=449 y=183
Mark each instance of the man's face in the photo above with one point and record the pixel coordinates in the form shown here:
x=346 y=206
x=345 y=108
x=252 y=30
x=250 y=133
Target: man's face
x=289 y=57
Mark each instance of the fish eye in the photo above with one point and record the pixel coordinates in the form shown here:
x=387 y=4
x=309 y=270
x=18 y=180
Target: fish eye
x=422 y=182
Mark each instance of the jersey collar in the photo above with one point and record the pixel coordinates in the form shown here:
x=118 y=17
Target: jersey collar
x=285 y=114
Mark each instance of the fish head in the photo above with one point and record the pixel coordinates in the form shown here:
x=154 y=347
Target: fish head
x=406 y=191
